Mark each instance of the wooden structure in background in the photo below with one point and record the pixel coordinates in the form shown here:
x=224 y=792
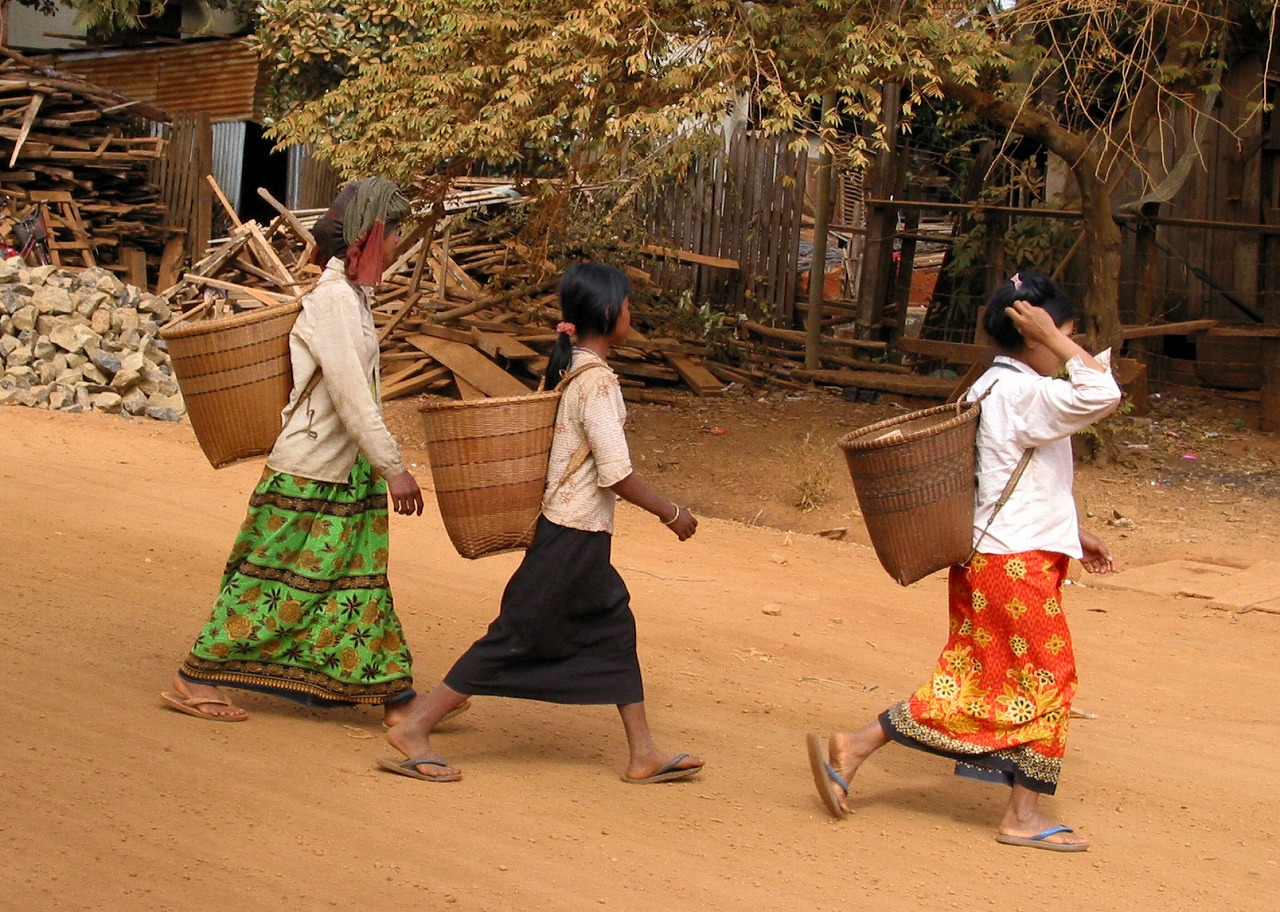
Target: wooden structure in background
x=83 y=155
x=731 y=227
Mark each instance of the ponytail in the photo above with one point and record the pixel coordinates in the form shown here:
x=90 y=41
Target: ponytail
x=558 y=363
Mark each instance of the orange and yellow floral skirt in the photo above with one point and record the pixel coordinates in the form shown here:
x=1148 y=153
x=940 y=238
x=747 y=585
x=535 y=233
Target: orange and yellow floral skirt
x=305 y=609
x=1000 y=696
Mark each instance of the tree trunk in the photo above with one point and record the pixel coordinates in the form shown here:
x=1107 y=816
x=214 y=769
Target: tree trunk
x=1101 y=305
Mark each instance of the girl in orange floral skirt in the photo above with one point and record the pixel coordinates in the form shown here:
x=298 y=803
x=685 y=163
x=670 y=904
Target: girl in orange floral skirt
x=1000 y=695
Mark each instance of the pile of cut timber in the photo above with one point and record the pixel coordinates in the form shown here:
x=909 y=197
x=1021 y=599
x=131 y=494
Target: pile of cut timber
x=459 y=312
x=84 y=155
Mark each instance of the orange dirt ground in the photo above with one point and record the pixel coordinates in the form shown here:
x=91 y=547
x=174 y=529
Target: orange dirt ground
x=754 y=632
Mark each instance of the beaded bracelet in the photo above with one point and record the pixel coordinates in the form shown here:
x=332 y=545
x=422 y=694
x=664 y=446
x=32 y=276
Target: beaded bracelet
x=667 y=522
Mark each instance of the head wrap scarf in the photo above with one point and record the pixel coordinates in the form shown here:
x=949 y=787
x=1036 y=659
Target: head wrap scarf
x=355 y=227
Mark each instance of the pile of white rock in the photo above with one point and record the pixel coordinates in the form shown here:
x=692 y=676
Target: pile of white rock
x=83 y=339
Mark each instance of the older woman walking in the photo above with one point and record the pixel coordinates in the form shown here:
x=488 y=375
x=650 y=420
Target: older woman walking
x=304 y=610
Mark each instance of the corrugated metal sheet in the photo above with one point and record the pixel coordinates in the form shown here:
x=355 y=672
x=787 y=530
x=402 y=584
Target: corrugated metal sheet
x=228 y=159
x=219 y=78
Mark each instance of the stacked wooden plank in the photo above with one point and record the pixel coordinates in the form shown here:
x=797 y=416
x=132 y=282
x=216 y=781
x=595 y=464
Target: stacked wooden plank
x=464 y=310
x=82 y=154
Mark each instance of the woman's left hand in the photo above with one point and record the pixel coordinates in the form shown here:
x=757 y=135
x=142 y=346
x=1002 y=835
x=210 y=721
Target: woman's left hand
x=1097 y=556
x=406 y=496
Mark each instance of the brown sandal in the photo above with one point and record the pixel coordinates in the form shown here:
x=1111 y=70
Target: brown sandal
x=191 y=706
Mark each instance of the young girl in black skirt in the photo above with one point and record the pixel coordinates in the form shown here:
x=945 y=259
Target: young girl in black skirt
x=565 y=632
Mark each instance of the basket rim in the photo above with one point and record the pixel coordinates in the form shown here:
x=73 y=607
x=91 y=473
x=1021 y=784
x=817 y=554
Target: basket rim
x=188 y=328
x=964 y=412
x=488 y=402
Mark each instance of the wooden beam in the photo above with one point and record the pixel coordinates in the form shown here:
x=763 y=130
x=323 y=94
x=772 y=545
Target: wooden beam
x=792 y=335
x=688 y=256
x=470 y=365
x=270 y=298
x=222 y=198
x=502 y=345
x=300 y=229
x=925 y=387
x=28 y=119
x=1247 y=332
x=435 y=376
x=953 y=352
x=1186 y=328
x=699 y=379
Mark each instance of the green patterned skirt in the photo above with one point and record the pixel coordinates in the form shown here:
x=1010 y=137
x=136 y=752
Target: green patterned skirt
x=305 y=609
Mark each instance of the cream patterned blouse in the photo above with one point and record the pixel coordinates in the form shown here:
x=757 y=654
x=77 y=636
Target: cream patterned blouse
x=591 y=413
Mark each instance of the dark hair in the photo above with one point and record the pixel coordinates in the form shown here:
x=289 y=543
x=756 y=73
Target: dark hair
x=1025 y=285
x=591 y=296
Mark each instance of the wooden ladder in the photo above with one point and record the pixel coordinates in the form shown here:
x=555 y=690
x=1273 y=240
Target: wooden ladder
x=69 y=242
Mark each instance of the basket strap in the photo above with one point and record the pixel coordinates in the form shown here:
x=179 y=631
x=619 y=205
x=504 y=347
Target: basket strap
x=581 y=368
x=1004 y=496
x=307 y=390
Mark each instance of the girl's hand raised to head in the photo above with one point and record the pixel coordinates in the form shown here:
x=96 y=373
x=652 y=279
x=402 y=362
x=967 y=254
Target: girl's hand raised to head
x=406 y=496
x=1035 y=323
x=684 y=525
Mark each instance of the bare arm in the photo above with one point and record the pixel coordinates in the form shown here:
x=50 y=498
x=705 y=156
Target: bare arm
x=633 y=490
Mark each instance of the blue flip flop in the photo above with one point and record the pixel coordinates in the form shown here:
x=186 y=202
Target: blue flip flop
x=410 y=768
x=825 y=775
x=1040 y=840
x=668 y=772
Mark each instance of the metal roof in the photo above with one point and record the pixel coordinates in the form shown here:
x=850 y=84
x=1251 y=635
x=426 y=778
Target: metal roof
x=219 y=78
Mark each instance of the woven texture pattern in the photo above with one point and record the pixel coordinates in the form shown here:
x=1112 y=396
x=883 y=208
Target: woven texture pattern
x=235 y=376
x=489 y=465
x=914 y=477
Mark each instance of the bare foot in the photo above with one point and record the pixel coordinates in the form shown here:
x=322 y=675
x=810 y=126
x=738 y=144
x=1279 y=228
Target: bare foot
x=394 y=714
x=419 y=747
x=204 y=700
x=658 y=767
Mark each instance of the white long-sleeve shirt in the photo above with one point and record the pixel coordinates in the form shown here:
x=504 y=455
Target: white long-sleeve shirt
x=1025 y=410
x=342 y=415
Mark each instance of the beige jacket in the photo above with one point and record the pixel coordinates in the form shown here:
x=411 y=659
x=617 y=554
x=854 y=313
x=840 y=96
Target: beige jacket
x=342 y=415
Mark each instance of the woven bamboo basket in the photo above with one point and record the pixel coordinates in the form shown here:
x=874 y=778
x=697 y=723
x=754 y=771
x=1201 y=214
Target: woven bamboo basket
x=489 y=464
x=914 y=477
x=235 y=376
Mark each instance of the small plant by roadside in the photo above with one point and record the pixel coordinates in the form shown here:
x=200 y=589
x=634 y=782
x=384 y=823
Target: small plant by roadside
x=810 y=462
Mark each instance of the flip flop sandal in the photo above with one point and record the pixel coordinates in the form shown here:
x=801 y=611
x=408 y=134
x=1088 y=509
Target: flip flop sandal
x=668 y=772
x=1041 y=840
x=825 y=777
x=191 y=706
x=410 y=768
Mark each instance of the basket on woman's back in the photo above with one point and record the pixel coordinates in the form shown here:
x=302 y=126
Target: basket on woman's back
x=914 y=477
x=235 y=375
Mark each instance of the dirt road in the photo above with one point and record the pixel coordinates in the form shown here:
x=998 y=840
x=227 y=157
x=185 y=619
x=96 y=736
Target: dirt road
x=113 y=534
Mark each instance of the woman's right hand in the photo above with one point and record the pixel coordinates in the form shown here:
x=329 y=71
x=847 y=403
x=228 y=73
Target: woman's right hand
x=406 y=496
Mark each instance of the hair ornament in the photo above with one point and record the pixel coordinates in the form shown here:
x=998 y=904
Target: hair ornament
x=567 y=328
x=1017 y=281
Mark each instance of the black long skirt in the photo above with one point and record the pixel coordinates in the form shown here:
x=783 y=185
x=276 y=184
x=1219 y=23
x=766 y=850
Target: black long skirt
x=565 y=632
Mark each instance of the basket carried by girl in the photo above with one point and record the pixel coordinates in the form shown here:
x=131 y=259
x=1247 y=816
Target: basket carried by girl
x=489 y=464
x=914 y=477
